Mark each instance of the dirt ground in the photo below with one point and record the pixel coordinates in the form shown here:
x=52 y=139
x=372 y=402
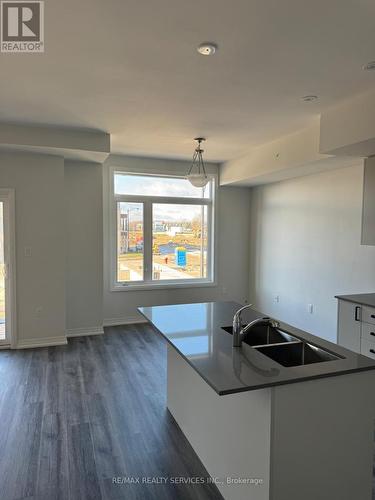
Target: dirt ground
x=134 y=262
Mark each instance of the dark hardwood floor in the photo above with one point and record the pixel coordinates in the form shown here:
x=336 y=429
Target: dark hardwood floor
x=75 y=418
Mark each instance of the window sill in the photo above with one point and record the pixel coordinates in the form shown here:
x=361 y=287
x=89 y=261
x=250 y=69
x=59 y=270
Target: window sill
x=162 y=286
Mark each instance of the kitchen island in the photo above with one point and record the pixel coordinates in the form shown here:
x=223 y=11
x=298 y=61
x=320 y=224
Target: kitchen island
x=289 y=418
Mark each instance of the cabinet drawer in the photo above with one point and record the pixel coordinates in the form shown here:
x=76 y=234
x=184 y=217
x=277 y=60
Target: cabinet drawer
x=368 y=348
x=368 y=332
x=368 y=315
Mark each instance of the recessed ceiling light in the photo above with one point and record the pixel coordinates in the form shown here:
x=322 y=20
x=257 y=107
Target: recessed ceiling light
x=369 y=66
x=309 y=98
x=207 y=49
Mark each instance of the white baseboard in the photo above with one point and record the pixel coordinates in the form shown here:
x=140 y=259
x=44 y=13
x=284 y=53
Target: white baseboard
x=125 y=320
x=41 y=342
x=51 y=341
x=84 y=332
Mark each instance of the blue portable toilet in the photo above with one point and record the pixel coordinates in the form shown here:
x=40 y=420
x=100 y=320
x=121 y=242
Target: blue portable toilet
x=180 y=256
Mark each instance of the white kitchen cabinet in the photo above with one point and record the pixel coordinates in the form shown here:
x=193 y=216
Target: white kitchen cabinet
x=356 y=327
x=368 y=315
x=368 y=332
x=349 y=325
x=368 y=348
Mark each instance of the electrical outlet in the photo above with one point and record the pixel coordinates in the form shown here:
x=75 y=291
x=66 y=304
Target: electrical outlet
x=310 y=308
x=276 y=299
x=27 y=251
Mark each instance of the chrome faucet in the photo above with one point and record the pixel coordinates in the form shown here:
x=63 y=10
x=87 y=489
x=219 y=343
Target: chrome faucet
x=239 y=330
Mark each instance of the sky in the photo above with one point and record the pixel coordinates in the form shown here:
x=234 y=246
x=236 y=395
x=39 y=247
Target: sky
x=159 y=186
x=155 y=186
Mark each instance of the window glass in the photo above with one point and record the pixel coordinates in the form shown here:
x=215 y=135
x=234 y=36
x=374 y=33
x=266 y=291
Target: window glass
x=179 y=237
x=144 y=185
x=160 y=234
x=129 y=241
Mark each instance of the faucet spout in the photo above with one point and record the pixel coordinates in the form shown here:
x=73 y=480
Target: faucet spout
x=239 y=330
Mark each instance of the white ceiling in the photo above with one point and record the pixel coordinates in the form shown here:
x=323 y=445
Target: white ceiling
x=130 y=68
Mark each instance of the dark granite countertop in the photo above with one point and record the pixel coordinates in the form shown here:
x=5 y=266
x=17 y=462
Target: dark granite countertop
x=195 y=331
x=365 y=299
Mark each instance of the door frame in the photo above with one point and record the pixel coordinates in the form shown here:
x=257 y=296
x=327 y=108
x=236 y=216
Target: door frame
x=7 y=197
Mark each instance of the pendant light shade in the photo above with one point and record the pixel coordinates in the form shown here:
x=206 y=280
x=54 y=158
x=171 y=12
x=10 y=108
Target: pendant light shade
x=196 y=174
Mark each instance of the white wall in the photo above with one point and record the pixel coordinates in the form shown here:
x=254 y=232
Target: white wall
x=348 y=127
x=39 y=191
x=305 y=247
x=232 y=248
x=59 y=215
x=84 y=247
x=59 y=138
x=278 y=157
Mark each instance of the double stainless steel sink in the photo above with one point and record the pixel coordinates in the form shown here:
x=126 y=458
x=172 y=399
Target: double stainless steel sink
x=282 y=347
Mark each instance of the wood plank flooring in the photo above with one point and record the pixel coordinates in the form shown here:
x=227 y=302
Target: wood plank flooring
x=73 y=418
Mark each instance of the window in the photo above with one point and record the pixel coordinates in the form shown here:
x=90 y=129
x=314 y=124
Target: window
x=162 y=231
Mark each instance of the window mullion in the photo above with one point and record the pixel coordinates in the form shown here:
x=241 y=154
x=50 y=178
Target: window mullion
x=163 y=199
x=210 y=242
x=147 y=247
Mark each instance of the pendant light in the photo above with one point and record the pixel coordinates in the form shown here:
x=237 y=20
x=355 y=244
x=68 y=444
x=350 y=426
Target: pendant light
x=196 y=174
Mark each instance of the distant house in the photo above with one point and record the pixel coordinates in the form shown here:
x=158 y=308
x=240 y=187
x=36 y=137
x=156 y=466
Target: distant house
x=125 y=242
x=173 y=230
x=123 y=232
x=159 y=227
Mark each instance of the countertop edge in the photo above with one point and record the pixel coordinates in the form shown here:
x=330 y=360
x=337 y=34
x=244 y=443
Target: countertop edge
x=350 y=298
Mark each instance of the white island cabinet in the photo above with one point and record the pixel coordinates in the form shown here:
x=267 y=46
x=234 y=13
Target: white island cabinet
x=311 y=440
x=284 y=416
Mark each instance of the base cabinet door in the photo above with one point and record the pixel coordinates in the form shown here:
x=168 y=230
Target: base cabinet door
x=349 y=325
x=368 y=348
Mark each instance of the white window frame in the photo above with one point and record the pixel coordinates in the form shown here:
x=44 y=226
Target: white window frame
x=148 y=201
